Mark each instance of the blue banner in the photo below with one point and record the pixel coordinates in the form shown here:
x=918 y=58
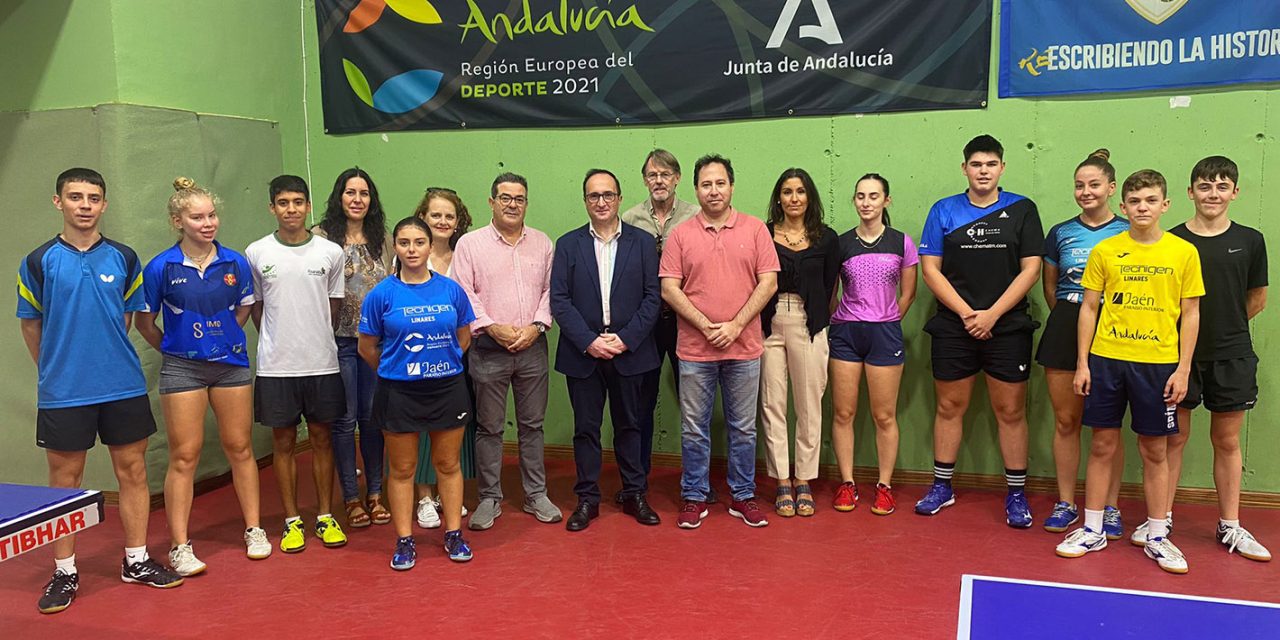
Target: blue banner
x=1093 y=46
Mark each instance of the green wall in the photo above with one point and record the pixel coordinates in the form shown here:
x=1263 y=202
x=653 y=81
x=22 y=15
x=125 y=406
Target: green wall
x=245 y=59
x=918 y=152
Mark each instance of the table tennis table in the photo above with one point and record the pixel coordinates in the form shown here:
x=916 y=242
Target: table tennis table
x=31 y=517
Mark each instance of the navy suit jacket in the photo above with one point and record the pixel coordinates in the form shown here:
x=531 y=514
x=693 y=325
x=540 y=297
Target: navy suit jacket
x=634 y=301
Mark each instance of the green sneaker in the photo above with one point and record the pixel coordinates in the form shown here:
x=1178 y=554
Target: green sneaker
x=294 y=538
x=329 y=532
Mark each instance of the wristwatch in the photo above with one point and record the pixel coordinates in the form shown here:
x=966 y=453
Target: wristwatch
x=542 y=326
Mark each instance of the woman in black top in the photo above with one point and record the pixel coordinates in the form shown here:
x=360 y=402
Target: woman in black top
x=795 y=329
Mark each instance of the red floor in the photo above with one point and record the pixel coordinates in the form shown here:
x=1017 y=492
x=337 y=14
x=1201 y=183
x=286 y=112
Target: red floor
x=835 y=575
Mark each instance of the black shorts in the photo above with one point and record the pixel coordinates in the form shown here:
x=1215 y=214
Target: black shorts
x=118 y=422
x=1223 y=385
x=1115 y=384
x=280 y=403
x=1005 y=356
x=1058 y=343
x=878 y=344
x=414 y=406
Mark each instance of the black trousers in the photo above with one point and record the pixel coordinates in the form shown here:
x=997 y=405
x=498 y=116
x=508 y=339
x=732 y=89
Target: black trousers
x=627 y=402
x=665 y=335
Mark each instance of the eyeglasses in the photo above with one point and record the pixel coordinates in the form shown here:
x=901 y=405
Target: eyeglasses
x=607 y=197
x=656 y=175
x=507 y=200
x=441 y=190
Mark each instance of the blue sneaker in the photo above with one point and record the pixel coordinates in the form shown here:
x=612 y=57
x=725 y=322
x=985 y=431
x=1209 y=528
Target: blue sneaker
x=1111 y=524
x=456 y=547
x=1064 y=515
x=406 y=554
x=1017 y=511
x=940 y=495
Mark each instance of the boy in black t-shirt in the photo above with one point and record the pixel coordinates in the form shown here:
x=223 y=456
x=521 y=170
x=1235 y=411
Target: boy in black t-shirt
x=1224 y=371
x=980 y=253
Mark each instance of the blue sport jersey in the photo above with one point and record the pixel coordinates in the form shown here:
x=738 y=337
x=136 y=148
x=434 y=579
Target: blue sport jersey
x=1067 y=247
x=81 y=297
x=418 y=327
x=200 y=313
x=982 y=247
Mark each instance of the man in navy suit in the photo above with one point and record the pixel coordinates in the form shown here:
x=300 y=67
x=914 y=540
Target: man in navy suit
x=605 y=296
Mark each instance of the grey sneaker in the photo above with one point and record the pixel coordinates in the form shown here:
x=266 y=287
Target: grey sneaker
x=542 y=509
x=485 y=514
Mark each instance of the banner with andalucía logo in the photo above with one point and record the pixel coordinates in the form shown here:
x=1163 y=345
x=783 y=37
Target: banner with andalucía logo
x=389 y=65
x=1092 y=46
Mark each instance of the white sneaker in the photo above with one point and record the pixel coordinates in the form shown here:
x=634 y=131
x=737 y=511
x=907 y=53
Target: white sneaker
x=428 y=517
x=1168 y=556
x=439 y=508
x=1239 y=540
x=1080 y=542
x=257 y=547
x=1139 y=536
x=183 y=561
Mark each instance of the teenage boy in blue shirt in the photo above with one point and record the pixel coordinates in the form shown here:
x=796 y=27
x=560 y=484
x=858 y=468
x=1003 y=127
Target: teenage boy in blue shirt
x=76 y=297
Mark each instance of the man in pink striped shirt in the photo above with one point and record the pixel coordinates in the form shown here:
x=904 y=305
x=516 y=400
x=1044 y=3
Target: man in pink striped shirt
x=505 y=268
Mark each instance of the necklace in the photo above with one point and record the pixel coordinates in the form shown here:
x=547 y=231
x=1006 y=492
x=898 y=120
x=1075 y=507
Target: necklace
x=873 y=243
x=199 y=261
x=804 y=237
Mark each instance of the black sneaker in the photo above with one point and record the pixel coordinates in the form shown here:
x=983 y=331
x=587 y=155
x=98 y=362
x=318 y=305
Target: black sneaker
x=150 y=573
x=60 y=591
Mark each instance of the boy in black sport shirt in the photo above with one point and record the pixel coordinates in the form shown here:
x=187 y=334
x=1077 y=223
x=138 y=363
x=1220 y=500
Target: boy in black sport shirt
x=1224 y=368
x=980 y=253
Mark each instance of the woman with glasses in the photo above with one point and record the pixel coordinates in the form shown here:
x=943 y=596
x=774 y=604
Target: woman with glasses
x=795 y=336
x=354 y=219
x=447 y=219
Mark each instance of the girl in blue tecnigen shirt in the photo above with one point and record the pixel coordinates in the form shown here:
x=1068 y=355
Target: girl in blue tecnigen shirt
x=414 y=329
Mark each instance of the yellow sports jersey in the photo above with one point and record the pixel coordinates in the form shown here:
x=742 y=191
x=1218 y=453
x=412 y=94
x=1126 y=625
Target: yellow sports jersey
x=1142 y=287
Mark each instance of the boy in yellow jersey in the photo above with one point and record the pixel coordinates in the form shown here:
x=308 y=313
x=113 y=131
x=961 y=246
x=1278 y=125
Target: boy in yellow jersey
x=1136 y=354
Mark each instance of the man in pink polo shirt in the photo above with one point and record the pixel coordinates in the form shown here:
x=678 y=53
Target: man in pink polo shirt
x=505 y=268
x=718 y=270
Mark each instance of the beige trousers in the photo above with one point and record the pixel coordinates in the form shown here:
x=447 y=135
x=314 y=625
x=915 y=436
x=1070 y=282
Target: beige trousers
x=789 y=355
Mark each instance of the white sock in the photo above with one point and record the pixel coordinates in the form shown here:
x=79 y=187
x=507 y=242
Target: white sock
x=1228 y=524
x=1157 y=528
x=291 y=519
x=66 y=565
x=134 y=555
x=323 y=516
x=1093 y=520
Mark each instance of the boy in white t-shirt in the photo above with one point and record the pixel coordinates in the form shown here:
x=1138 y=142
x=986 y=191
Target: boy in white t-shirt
x=298 y=286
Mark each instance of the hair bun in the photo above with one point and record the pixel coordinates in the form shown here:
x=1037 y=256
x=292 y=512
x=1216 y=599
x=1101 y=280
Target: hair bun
x=1101 y=153
x=182 y=182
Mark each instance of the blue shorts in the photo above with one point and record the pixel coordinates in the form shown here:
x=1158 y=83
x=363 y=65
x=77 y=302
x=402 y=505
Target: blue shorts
x=878 y=344
x=1116 y=384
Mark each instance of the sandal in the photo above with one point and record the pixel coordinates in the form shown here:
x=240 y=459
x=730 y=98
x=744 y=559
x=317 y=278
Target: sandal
x=804 y=506
x=783 y=504
x=378 y=511
x=357 y=517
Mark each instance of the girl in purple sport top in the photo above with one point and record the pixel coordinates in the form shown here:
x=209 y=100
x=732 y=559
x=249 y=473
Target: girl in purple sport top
x=878 y=285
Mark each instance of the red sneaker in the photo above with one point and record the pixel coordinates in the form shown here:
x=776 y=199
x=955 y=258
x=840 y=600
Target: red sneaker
x=691 y=514
x=749 y=512
x=846 y=497
x=884 y=504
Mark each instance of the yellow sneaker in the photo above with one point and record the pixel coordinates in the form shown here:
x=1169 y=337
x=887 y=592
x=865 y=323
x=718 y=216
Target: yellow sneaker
x=294 y=538
x=329 y=532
